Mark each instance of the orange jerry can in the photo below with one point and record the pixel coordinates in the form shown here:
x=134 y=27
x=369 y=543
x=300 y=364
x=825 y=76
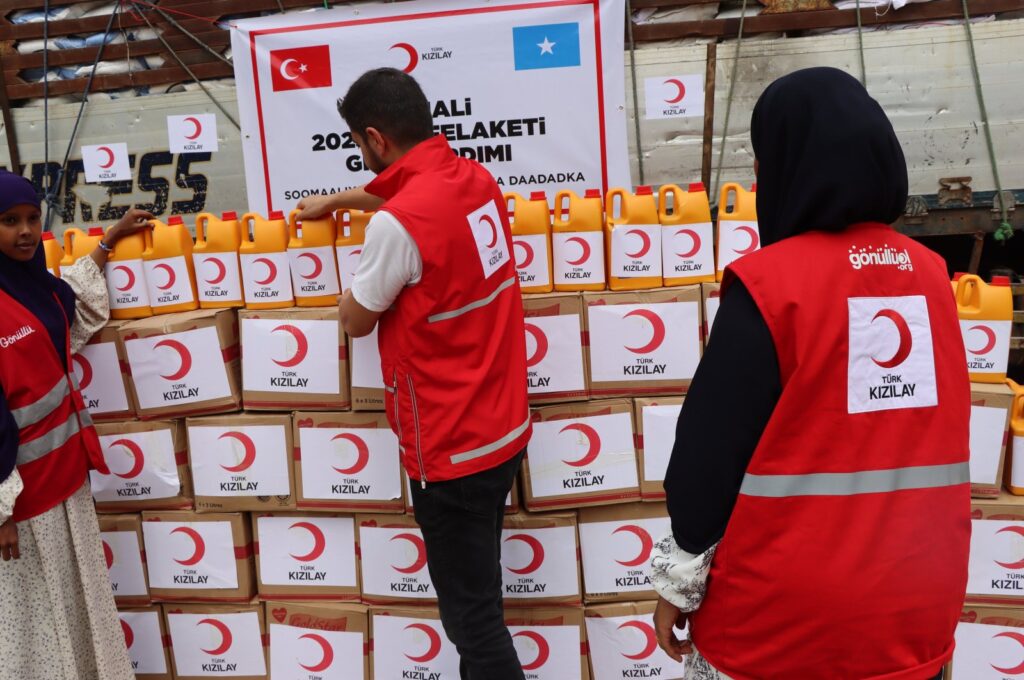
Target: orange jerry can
x=737 y=225
x=531 y=241
x=218 y=274
x=687 y=235
x=348 y=247
x=577 y=241
x=633 y=239
x=53 y=252
x=986 y=321
x=79 y=244
x=126 y=278
x=266 y=275
x=170 y=274
x=311 y=246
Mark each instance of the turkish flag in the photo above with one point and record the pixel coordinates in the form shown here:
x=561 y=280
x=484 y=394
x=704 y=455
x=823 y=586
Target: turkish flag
x=299 y=68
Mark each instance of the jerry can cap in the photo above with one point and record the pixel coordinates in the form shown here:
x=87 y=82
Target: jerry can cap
x=48 y=236
x=175 y=219
x=95 y=231
x=592 y=193
x=228 y=215
x=958 y=275
x=538 y=196
x=696 y=187
x=644 y=190
x=1000 y=280
x=753 y=187
x=276 y=215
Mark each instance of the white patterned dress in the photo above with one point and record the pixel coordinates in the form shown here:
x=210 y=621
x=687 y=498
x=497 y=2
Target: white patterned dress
x=57 y=615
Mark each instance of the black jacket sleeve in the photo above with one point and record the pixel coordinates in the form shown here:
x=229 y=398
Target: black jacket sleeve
x=732 y=396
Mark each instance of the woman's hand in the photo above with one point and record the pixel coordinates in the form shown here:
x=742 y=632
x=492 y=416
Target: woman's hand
x=666 y=617
x=9 y=541
x=132 y=221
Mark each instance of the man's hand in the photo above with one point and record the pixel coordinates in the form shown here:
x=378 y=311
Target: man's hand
x=9 y=541
x=666 y=617
x=314 y=207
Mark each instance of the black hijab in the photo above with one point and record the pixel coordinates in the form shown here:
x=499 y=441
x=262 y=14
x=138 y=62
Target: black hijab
x=827 y=154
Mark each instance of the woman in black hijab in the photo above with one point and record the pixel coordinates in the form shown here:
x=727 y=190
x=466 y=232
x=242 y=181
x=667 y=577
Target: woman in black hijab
x=826 y=158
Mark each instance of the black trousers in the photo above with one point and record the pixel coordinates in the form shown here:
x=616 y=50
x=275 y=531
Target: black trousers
x=461 y=520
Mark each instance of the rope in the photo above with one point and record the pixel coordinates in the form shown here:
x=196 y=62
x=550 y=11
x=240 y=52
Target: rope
x=728 y=102
x=167 y=17
x=178 y=12
x=636 y=96
x=1005 y=229
x=46 y=102
x=860 y=47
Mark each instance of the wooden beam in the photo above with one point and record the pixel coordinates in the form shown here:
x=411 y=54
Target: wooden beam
x=161 y=76
x=9 y=130
x=217 y=39
x=709 y=115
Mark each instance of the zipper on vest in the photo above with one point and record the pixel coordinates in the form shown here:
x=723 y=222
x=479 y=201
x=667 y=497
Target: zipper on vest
x=416 y=427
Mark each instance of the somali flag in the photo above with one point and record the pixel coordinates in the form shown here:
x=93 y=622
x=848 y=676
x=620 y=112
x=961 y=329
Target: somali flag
x=546 y=46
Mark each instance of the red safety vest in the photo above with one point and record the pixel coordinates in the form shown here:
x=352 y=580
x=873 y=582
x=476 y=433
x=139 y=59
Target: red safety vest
x=846 y=554
x=452 y=347
x=57 y=443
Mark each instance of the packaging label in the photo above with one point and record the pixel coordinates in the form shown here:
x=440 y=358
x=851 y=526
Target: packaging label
x=548 y=652
x=357 y=464
x=307 y=551
x=657 y=341
x=168 y=281
x=142 y=467
x=348 y=264
x=1017 y=462
x=988 y=429
x=412 y=648
x=711 y=311
x=531 y=251
x=996 y=565
x=688 y=250
x=123 y=556
x=178 y=368
x=987 y=652
x=578 y=257
x=736 y=238
x=190 y=555
x=659 y=423
x=266 y=277
x=294 y=355
x=539 y=563
x=582 y=455
x=554 y=354
x=217 y=645
x=636 y=251
x=891 y=362
x=365 y=362
x=126 y=284
x=306 y=653
x=394 y=563
x=144 y=641
x=98 y=372
x=616 y=555
x=239 y=460
x=218 y=276
x=489 y=235
x=626 y=647
x=314 y=271
x=987 y=344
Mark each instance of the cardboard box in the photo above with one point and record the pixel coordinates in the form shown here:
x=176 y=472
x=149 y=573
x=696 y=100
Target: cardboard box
x=996 y=566
x=581 y=454
x=655 y=436
x=303 y=557
x=367 y=379
x=121 y=536
x=512 y=500
x=623 y=643
x=990 y=436
x=556 y=361
x=615 y=545
x=294 y=359
x=551 y=643
x=711 y=293
x=101 y=370
x=989 y=644
x=241 y=462
x=410 y=643
x=328 y=641
x=199 y=558
x=643 y=343
x=184 y=364
x=210 y=640
x=149 y=646
x=148 y=463
x=540 y=560
x=393 y=561
x=348 y=462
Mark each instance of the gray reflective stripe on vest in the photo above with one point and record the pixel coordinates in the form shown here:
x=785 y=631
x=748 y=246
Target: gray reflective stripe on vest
x=54 y=439
x=476 y=304
x=42 y=407
x=466 y=456
x=852 y=483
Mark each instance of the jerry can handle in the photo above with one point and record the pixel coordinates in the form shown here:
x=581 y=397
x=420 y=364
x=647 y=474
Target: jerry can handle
x=663 y=194
x=247 y=220
x=609 y=203
x=293 y=223
x=68 y=241
x=560 y=198
x=147 y=237
x=513 y=198
x=965 y=289
x=201 y=220
x=723 y=199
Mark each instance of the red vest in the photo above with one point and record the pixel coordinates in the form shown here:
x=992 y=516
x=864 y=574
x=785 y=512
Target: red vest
x=453 y=347
x=846 y=554
x=57 y=443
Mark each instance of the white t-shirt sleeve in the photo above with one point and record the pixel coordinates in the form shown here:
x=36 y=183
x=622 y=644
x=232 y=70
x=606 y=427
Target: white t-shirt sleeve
x=390 y=261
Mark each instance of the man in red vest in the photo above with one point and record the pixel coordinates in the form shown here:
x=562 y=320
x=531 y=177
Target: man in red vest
x=438 y=281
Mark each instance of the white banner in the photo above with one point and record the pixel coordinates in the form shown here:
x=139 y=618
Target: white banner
x=307 y=551
x=98 y=371
x=539 y=563
x=217 y=645
x=145 y=643
x=239 y=460
x=190 y=555
x=359 y=464
x=123 y=556
x=302 y=653
x=142 y=466
x=477 y=62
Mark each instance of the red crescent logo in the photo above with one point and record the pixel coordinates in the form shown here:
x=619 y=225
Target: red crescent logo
x=222 y=271
x=646 y=243
x=198 y=127
x=138 y=460
x=906 y=339
x=225 y=637
x=171 y=276
x=646 y=545
x=110 y=157
x=543 y=649
x=130 y=277
x=486 y=219
x=414 y=58
x=755 y=241
x=528 y=250
x=432 y=637
x=86 y=367
x=1013 y=530
x=199 y=550
x=301 y=346
x=318 y=266
x=326 y=650
x=362 y=453
x=542 y=345
x=319 y=542
x=421 y=553
x=356 y=253
x=538 y=553
x=183 y=354
x=248 y=448
x=1019 y=639
x=649 y=646
x=271 y=270
x=659 y=331
x=990 y=340
x=108 y=554
x=585 y=252
x=695 y=237
x=680 y=91
x=593 y=444
x=129 y=635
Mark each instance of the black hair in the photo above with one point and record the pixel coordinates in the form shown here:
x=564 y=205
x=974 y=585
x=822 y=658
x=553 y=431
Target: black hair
x=390 y=101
